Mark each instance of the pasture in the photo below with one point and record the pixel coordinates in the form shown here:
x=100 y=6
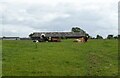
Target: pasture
x=0 y=58
x=66 y=58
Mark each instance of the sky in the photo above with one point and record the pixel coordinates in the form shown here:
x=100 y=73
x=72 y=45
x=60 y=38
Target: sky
x=22 y=17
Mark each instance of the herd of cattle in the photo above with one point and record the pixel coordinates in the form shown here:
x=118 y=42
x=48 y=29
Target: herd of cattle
x=43 y=38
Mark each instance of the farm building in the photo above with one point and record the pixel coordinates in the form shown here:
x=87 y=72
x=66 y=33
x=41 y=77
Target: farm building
x=37 y=35
x=25 y=39
x=10 y=38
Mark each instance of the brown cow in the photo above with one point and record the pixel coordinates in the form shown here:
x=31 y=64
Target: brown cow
x=83 y=39
x=54 y=40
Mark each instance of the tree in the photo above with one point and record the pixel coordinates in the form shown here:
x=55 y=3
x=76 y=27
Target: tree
x=115 y=37
x=31 y=35
x=76 y=29
x=110 y=37
x=88 y=36
x=93 y=37
x=99 y=37
x=118 y=36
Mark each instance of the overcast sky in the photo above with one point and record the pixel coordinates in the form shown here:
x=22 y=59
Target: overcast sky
x=22 y=17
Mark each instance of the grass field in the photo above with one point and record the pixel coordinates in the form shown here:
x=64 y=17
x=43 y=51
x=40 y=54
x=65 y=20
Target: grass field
x=66 y=58
x=0 y=58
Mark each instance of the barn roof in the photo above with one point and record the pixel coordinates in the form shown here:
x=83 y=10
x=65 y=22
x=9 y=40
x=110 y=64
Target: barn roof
x=10 y=37
x=59 y=34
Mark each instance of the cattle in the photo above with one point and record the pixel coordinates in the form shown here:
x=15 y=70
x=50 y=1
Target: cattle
x=43 y=38
x=85 y=39
x=55 y=40
x=36 y=41
x=77 y=40
x=82 y=39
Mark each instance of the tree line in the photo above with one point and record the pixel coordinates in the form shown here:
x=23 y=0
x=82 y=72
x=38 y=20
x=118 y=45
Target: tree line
x=110 y=36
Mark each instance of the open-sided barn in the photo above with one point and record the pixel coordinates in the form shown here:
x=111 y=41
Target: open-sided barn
x=37 y=35
x=10 y=38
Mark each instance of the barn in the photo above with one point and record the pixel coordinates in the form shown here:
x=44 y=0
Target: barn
x=37 y=35
x=10 y=38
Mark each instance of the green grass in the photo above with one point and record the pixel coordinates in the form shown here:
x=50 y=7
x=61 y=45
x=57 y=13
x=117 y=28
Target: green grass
x=66 y=58
x=0 y=58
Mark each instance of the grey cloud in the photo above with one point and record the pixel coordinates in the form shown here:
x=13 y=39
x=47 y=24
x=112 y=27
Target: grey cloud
x=33 y=17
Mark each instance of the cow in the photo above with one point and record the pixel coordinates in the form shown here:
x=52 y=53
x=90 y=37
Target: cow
x=55 y=40
x=36 y=41
x=82 y=39
x=43 y=38
x=77 y=40
x=85 y=39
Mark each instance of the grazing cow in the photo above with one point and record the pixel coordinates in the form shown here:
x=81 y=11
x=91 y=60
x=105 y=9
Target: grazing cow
x=77 y=40
x=36 y=41
x=83 y=39
x=55 y=40
x=43 y=38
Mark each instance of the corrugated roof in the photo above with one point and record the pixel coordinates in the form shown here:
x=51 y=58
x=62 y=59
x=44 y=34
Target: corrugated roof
x=59 y=34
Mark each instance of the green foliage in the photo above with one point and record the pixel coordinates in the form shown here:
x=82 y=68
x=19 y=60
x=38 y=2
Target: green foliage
x=115 y=37
x=66 y=58
x=118 y=36
x=88 y=36
x=110 y=37
x=99 y=37
x=75 y=29
x=31 y=35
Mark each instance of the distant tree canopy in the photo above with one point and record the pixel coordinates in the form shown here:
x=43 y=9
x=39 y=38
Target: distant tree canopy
x=110 y=37
x=31 y=35
x=115 y=37
x=99 y=37
x=88 y=36
x=77 y=29
x=118 y=36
